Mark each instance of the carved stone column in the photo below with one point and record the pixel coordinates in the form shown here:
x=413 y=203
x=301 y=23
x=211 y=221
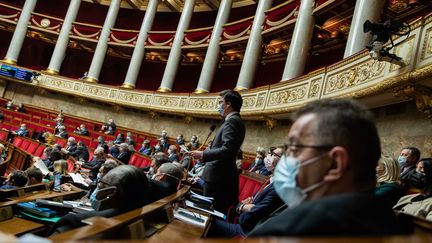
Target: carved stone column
x=300 y=41
x=63 y=38
x=253 y=48
x=175 y=53
x=138 y=53
x=20 y=32
x=364 y=10
x=102 y=45
x=212 y=55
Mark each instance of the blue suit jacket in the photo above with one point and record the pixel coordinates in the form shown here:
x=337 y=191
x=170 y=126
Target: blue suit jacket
x=265 y=202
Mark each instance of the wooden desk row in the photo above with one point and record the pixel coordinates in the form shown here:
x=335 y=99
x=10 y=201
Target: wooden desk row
x=131 y=225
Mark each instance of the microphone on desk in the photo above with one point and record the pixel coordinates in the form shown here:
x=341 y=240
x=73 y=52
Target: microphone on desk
x=212 y=128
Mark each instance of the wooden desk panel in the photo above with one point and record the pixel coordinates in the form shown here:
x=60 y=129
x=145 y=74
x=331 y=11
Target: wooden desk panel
x=18 y=226
x=40 y=195
x=177 y=230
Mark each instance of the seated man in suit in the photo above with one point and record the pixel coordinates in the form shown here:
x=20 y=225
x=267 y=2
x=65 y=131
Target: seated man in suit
x=124 y=153
x=70 y=147
x=81 y=153
x=95 y=164
x=327 y=176
x=103 y=144
x=82 y=130
x=110 y=127
x=166 y=181
x=146 y=148
x=61 y=132
x=22 y=131
x=116 y=193
x=172 y=153
x=251 y=210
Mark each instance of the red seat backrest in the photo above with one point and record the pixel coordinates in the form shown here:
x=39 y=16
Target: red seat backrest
x=91 y=153
x=3 y=135
x=93 y=144
x=146 y=162
x=25 y=144
x=249 y=188
x=134 y=160
x=39 y=150
x=18 y=141
x=32 y=147
x=71 y=165
x=61 y=141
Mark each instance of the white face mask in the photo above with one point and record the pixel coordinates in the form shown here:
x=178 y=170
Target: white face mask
x=285 y=183
x=220 y=109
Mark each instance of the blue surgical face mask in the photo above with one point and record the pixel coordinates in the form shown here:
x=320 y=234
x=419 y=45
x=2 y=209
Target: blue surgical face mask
x=220 y=109
x=93 y=200
x=285 y=183
x=402 y=161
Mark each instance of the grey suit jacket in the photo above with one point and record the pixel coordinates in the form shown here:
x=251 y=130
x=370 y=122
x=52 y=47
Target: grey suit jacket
x=220 y=157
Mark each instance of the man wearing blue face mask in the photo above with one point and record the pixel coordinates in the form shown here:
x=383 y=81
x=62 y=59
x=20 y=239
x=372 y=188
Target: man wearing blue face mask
x=408 y=159
x=327 y=176
x=220 y=173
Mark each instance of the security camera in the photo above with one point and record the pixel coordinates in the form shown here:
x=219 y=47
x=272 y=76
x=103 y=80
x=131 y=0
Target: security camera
x=382 y=33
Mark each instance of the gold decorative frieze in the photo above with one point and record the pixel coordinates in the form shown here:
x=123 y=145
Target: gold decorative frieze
x=131 y=97
x=426 y=51
x=288 y=95
x=95 y=90
x=350 y=77
x=315 y=88
x=167 y=102
x=202 y=103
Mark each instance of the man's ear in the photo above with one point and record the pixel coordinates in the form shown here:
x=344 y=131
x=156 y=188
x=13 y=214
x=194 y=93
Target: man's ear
x=339 y=156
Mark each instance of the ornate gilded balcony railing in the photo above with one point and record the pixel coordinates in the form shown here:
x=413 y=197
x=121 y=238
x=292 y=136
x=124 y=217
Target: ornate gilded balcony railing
x=358 y=76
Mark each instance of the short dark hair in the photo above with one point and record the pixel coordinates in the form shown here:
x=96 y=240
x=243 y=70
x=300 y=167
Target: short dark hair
x=160 y=159
x=19 y=178
x=427 y=168
x=55 y=155
x=233 y=97
x=347 y=123
x=415 y=153
x=34 y=172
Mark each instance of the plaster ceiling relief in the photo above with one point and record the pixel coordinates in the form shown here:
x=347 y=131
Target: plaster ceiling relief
x=175 y=5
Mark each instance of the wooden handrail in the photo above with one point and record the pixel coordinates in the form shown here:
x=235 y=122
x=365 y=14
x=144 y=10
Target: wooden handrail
x=100 y=225
x=15 y=192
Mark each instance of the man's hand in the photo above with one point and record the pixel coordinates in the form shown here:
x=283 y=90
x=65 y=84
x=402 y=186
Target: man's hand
x=197 y=154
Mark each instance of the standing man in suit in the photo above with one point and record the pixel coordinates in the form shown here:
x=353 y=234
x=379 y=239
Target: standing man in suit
x=220 y=173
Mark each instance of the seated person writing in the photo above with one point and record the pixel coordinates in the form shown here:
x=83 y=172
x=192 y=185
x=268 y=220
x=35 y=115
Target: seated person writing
x=117 y=192
x=419 y=204
x=16 y=178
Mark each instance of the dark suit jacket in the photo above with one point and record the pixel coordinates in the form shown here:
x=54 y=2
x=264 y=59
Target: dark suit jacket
x=220 y=157
x=159 y=190
x=350 y=214
x=265 y=202
x=80 y=153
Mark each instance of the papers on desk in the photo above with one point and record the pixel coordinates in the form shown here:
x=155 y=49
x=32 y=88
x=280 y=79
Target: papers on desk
x=77 y=178
x=191 y=217
x=213 y=212
x=41 y=166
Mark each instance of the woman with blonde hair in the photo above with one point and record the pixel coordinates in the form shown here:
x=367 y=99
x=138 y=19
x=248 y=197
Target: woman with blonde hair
x=388 y=181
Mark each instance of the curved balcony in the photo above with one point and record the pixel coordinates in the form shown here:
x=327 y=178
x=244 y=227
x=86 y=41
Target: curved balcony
x=377 y=83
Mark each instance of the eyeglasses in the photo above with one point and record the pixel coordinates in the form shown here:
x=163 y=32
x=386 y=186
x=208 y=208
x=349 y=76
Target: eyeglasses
x=275 y=154
x=294 y=149
x=102 y=184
